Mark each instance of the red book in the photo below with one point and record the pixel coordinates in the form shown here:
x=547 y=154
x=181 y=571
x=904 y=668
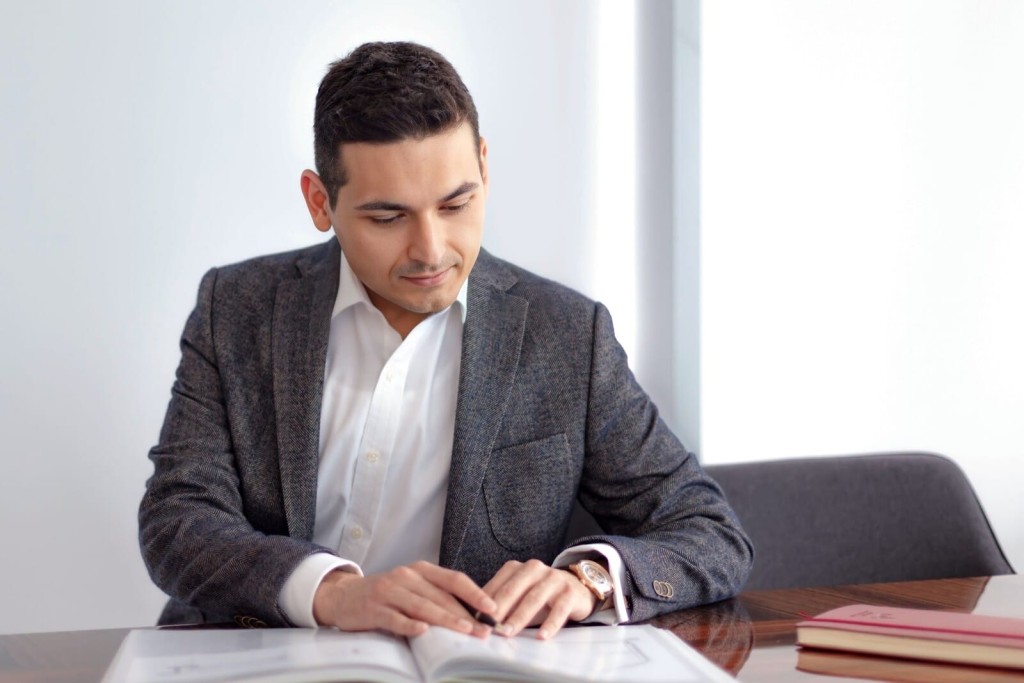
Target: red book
x=864 y=667
x=917 y=634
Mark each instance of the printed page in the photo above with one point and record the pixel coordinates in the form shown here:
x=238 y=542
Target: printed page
x=265 y=655
x=603 y=654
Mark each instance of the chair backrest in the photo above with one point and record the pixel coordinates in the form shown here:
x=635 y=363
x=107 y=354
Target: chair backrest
x=860 y=519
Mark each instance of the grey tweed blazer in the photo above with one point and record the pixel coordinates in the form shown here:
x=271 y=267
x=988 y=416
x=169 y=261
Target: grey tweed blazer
x=547 y=412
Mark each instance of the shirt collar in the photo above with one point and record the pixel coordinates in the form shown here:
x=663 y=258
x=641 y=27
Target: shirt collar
x=351 y=292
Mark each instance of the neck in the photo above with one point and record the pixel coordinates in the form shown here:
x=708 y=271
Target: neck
x=400 y=319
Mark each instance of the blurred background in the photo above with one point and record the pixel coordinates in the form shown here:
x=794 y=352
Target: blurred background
x=806 y=218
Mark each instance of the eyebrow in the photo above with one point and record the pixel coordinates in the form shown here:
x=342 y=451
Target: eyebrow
x=393 y=206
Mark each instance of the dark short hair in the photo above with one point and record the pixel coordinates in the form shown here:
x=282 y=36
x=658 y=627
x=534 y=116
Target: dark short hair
x=385 y=92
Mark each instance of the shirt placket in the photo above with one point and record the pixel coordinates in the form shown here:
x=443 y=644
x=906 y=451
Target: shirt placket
x=375 y=453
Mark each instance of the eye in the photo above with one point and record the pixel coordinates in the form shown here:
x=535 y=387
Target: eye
x=384 y=220
x=456 y=208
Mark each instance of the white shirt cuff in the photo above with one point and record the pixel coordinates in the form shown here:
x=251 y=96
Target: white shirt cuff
x=296 y=598
x=617 y=613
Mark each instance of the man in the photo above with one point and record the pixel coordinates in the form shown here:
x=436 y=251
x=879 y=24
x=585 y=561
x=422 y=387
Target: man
x=389 y=430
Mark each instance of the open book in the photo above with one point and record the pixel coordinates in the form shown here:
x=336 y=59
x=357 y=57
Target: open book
x=610 y=654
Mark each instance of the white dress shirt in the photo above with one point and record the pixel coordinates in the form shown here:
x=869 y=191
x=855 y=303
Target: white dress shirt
x=387 y=425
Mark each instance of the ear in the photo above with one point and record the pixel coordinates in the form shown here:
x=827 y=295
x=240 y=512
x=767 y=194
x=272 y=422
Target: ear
x=315 y=194
x=483 y=161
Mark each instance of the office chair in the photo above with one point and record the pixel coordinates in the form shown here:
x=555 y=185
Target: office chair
x=860 y=519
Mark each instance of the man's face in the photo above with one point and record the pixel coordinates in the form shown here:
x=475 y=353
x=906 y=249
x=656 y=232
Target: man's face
x=410 y=219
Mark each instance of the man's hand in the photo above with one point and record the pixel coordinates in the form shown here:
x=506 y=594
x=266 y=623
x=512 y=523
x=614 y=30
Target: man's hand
x=533 y=593
x=405 y=601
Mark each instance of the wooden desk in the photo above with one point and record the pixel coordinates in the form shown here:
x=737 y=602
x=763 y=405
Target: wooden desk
x=751 y=636
x=754 y=635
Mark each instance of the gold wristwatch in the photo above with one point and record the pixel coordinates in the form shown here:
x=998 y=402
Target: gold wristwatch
x=597 y=580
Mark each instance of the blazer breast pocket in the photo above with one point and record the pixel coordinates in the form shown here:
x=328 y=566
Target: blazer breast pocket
x=529 y=491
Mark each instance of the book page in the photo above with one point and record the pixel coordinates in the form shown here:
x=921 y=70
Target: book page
x=999 y=598
x=603 y=654
x=265 y=655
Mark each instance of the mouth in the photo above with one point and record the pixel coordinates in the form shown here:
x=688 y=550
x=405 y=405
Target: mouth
x=429 y=280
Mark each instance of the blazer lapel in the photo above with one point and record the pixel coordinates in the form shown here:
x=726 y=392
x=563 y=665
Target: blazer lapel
x=491 y=342
x=302 y=318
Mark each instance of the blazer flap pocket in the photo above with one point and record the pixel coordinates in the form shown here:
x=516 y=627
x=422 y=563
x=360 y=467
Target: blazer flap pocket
x=529 y=490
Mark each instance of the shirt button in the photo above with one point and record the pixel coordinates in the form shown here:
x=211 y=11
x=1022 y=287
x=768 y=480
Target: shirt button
x=389 y=375
x=373 y=455
x=357 y=532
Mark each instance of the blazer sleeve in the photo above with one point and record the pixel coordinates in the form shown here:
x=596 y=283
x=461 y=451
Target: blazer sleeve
x=196 y=541
x=681 y=543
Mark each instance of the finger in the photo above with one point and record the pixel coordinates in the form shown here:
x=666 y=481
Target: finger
x=557 y=616
x=495 y=586
x=394 y=621
x=507 y=571
x=516 y=585
x=413 y=596
x=372 y=614
x=480 y=630
x=457 y=584
x=532 y=607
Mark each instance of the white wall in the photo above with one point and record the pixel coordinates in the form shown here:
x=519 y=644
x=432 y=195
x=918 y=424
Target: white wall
x=145 y=142
x=861 y=208
x=863 y=235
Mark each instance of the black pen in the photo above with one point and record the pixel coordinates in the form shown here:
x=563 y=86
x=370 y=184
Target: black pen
x=485 y=619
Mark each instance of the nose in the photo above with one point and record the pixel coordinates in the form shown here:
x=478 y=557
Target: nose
x=427 y=241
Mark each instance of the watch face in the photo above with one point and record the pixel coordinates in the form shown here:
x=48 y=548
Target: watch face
x=594 y=575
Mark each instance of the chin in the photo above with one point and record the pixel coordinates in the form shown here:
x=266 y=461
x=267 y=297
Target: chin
x=433 y=305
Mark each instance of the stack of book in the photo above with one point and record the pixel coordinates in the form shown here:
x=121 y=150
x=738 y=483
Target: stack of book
x=913 y=634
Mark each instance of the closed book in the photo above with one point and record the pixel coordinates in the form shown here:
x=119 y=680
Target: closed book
x=917 y=634
x=872 y=668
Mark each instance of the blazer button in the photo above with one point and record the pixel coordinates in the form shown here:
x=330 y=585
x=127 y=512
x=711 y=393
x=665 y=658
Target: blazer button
x=250 y=622
x=664 y=589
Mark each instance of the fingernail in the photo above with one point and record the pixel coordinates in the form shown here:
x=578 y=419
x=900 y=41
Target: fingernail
x=464 y=625
x=504 y=630
x=544 y=634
